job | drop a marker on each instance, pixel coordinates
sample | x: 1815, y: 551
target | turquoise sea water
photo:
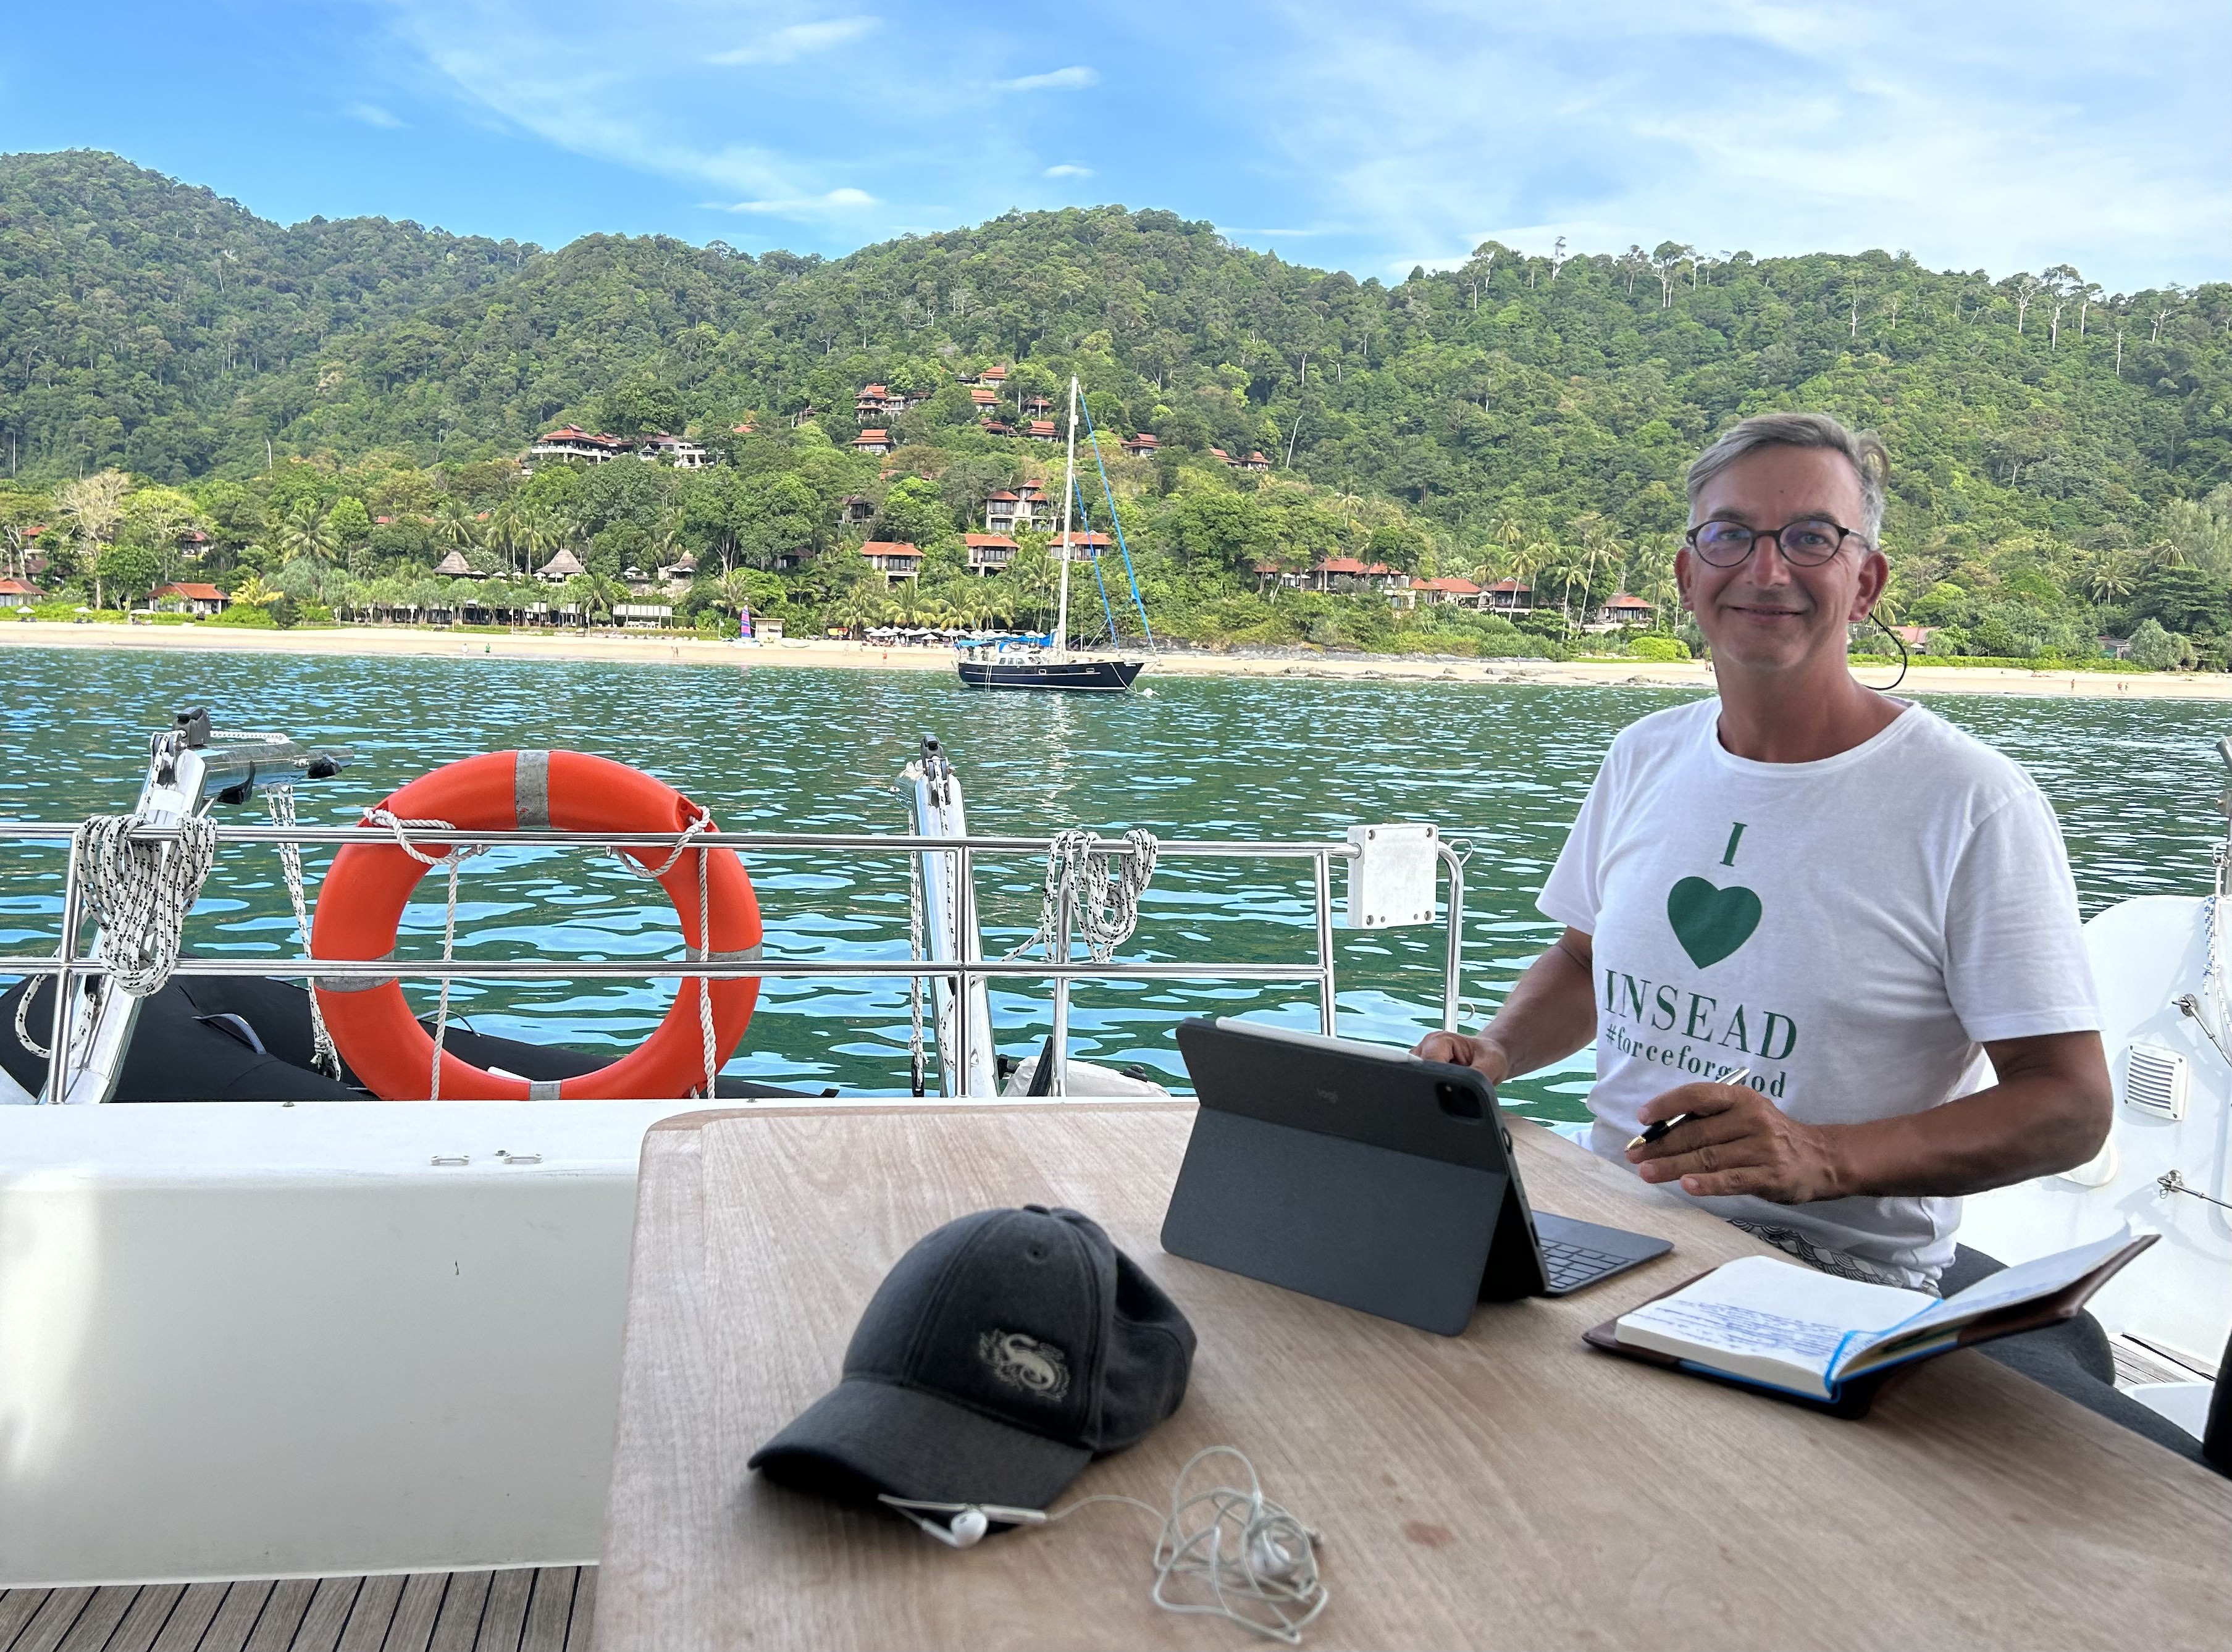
x: 784, y: 749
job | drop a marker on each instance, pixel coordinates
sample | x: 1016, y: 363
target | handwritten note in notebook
x: 1770, y: 1321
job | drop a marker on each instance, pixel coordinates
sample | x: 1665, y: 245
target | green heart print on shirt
x: 1710, y: 923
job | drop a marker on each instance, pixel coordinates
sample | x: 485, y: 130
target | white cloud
x: 1073, y: 79
x: 372, y: 114
x: 1992, y: 134
x: 788, y: 44
x: 1069, y: 172
x: 837, y: 200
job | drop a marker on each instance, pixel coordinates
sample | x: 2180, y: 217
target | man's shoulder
x: 1672, y: 730
x: 1664, y: 740
x: 1937, y: 757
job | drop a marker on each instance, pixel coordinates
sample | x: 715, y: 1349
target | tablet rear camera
x: 1458, y: 1101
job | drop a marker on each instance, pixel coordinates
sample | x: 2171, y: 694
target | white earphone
x: 971, y: 1520
x: 1247, y: 1559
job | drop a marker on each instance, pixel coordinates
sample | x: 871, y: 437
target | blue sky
x: 1978, y: 134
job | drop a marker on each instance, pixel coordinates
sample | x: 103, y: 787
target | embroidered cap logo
x: 1025, y: 1363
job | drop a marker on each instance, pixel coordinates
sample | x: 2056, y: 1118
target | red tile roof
x: 988, y: 541
x: 14, y: 587
x: 1449, y: 583
x: 993, y: 372
x: 192, y: 589
x: 1341, y: 565
x: 1624, y: 600
x: 1041, y: 427
x: 983, y: 398
x: 866, y: 436
x: 1002, y: 494
x: 1082, y: 538
x: 888, y: 548
x: 1219, y: 453
x: 874, y: 390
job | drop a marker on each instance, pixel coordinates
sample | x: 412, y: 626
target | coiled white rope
x: 697, y: 828
x: 1104, y: 887
x: 139, y: 891
x: 279, y: 799
x: 456, y: 855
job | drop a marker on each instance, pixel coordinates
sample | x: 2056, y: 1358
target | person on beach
x: 1862, y: 916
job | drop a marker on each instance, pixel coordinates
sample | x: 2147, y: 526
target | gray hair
x: 1863, y: 450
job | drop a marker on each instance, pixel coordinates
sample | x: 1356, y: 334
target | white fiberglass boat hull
x: 2146, y: 955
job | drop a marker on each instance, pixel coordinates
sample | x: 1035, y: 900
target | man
x: 1816, y: 921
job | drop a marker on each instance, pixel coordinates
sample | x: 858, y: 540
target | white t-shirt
x: 1850, y: 930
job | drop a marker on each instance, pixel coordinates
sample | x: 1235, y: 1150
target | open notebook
x: 1781, y: 1325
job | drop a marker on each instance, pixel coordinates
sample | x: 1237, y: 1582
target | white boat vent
x: 2154, y: 1081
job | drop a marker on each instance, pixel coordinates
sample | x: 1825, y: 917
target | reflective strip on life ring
x: 361, y: 906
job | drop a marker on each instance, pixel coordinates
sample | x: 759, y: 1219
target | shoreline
x: 652, y: 649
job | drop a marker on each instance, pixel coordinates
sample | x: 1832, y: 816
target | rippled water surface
x: 783, y: 748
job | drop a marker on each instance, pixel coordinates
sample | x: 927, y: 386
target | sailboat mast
x: 1068, y: 496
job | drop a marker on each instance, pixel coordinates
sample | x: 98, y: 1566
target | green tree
x: 2156, y: 649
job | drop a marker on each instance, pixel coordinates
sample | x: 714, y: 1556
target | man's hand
x: 1738, y: 1141
x: 1481, y: 1053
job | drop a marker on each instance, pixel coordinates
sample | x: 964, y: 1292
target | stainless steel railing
x: 72, y: 965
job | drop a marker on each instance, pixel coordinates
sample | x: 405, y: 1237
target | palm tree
x: 2110, y: 578
x: 304, y: 532
x: 860, y: 607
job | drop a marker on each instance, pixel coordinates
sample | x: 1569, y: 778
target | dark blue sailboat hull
x: 1071, y: 676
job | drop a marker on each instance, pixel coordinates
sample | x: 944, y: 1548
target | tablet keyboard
x: 1569, y: 1266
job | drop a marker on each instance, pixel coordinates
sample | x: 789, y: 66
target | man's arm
x: 1551, y: 1012
x: 2050, y: 1110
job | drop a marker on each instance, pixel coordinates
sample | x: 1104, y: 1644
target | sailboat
x: 1053, y: 668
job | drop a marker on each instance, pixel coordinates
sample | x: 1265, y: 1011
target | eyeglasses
x: 1808, y: 542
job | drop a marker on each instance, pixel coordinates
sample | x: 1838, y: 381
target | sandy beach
x: 652, y: 649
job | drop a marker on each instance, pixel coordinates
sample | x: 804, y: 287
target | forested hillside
x: 2063, y: 455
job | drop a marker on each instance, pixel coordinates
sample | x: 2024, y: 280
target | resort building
x: 1085, y: 547
x: 1253, y: 462
x: 1624, y: 610
x: 189, y: 597
x: 874, y: 440
x: 1448, y: 591
x: 18, y: 593
x: 564, y: 566
x: 1508, y: 596
x: 1142, y: 443
x: 989, y: 552
x: 996, y: 376
x: 1346, y: 573
x: 1220, y: 456
x: 1036, y: 405
x: 683, y: 455
x: 571, y: 442
x: 894, y: 559
x: 1042, y: 429
x: 855, y: 509
x: 193, y: 544
x: 996, y: 427
x: 454, y: 566
x: 642, y: 615
x: 982, y: 396
x: 1024, y: 508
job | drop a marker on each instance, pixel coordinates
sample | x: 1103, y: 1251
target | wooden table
x: 1508, y: 1487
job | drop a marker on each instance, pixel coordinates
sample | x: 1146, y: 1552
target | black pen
x: 1657, y: 1132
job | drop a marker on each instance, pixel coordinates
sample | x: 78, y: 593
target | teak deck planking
x: 523, y: 1609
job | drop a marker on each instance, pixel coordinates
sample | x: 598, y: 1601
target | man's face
x: 1767, y: 612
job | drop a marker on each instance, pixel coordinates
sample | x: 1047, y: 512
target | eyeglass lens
x: 1809, y: 544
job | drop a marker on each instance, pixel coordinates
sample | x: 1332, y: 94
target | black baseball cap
x: 1004, y: 1352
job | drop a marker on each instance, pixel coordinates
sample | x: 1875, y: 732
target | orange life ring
x: 361, y: 906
